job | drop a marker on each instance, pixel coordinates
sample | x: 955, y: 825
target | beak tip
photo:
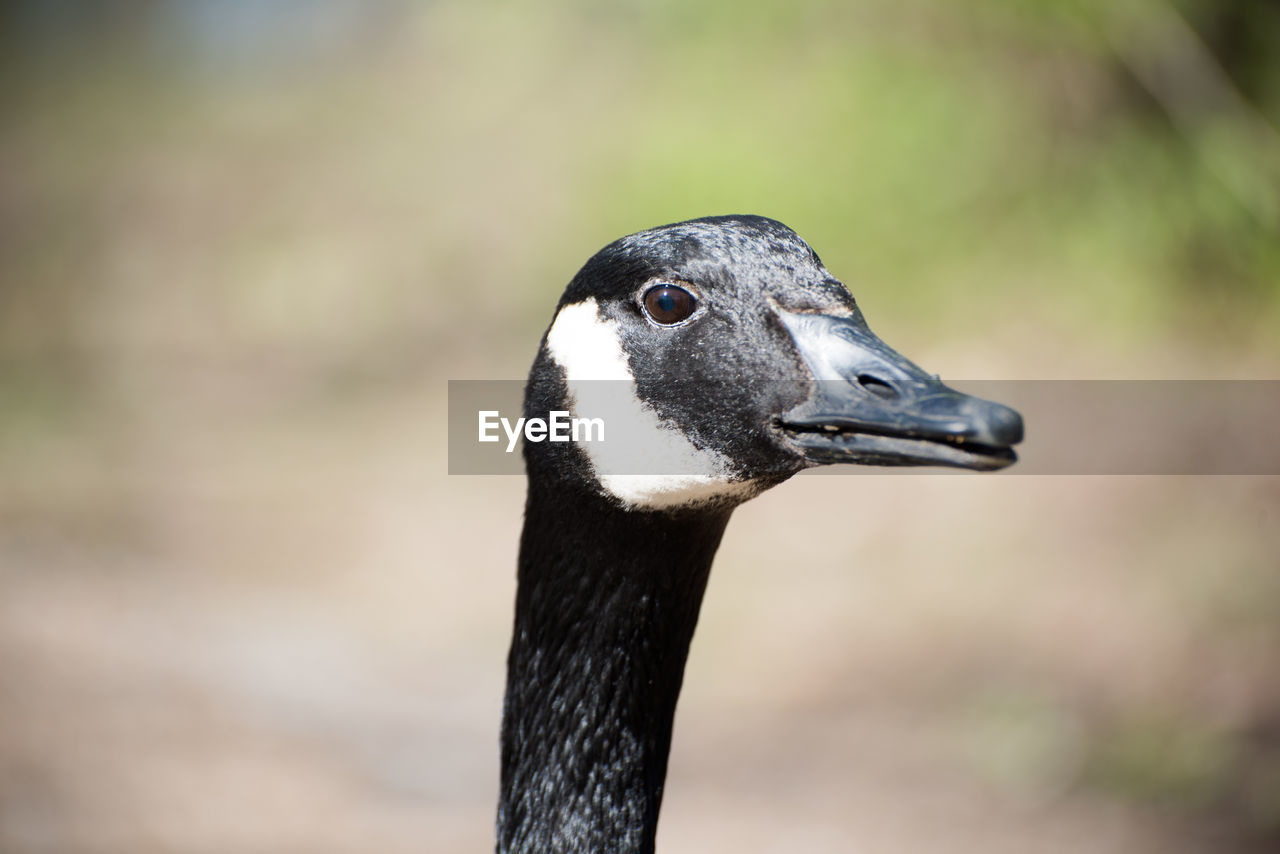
x: 1004, y: 425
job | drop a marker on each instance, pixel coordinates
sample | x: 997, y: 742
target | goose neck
x: 606, y: 606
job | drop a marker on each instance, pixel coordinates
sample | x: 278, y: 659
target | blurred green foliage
x: 1109, y: 170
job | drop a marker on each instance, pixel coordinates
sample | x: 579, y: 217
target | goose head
x: 722, y: 358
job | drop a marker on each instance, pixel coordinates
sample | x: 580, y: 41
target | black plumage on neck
x: 607, y: 602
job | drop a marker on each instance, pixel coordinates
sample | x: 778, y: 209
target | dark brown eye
x: 668, y: 305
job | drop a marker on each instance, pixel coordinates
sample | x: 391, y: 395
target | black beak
x: 870, y: 405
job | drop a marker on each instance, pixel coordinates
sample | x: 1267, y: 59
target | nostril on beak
x: 877, y: 386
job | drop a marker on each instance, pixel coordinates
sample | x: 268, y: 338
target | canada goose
x: 739, y: 354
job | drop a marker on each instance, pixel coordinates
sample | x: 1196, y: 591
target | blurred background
x: 244, y: 245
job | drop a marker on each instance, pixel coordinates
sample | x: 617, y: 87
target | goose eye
x: 668, y: 305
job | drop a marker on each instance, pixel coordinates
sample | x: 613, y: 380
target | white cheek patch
x: 588, y: 348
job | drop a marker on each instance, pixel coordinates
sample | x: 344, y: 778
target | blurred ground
x: 243, y: 246
x: 327, y: 677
